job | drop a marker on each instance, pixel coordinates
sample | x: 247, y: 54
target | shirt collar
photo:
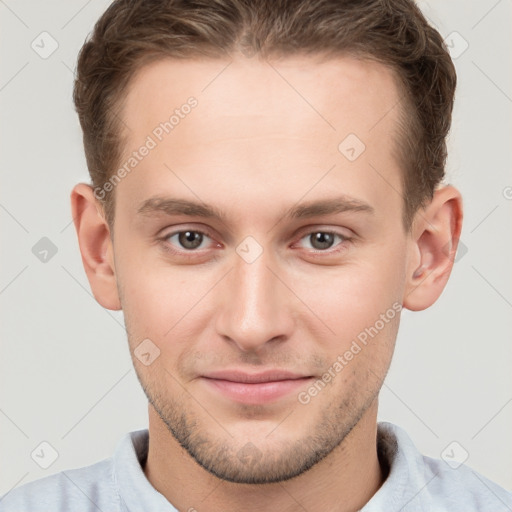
x: 404, y: 488
x: 134, y: 489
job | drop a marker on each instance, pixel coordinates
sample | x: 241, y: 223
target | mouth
x: 255, y: 388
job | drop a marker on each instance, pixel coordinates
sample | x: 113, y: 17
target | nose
x: 254, y: 306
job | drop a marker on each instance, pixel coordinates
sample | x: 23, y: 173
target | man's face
x: 262, y: 290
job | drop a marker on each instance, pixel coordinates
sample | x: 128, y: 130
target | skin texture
x: 263, y: 139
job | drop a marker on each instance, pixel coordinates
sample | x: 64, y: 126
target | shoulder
x: 462, y: 488
x: 421, y: 483
x: 90, y: 488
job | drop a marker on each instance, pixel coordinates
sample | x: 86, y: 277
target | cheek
x: 159, y: 300
x: 349, y: 299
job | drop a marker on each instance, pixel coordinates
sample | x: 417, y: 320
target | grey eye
x: 188, y: 239
x: 321, y: 240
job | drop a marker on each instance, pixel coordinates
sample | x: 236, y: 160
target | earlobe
x: 95, y: 246
x: 435, y: 239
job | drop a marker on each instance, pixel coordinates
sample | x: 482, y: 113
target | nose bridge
x: 254, y: 308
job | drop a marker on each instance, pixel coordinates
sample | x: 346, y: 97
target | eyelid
x: 178, y: 228
x: 319, y: 228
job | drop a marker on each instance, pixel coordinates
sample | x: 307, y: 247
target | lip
x: 254, y: 388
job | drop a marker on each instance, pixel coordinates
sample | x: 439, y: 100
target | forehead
x: 328, y: 93
x: 279, y: 124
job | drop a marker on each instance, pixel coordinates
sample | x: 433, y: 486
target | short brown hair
x: 132, y: 33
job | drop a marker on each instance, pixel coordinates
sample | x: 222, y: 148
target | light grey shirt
x: 415, y: 483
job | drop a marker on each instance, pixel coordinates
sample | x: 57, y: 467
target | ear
x: 435, y: 237
x: 95, y: 245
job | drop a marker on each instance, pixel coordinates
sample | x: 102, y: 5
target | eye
x: 188, y: 239
x: 322, y: 240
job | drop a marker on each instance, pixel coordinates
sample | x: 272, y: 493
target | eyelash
x: 168, y: 247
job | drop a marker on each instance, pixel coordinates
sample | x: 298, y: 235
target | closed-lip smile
x: 254, y: 388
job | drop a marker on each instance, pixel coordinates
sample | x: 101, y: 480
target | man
x: 266, y: 198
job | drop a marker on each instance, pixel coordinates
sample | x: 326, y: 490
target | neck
x: 344, y: 481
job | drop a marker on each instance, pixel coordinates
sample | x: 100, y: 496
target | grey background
x: 66, y: 375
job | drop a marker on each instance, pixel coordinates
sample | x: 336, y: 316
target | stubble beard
x: 257, y: 463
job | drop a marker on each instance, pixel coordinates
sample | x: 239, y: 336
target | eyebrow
x: 173, y: 206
